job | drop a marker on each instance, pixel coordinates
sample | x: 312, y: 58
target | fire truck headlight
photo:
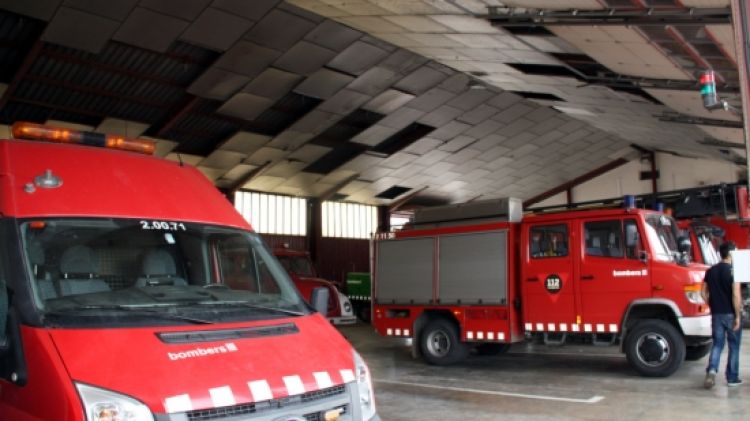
x: 364, y: 384
x: 345, y: 304
x: 693, y: 294
x: 105, y: 405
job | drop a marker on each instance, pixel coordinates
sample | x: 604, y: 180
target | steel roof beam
x: 513, y: 17
x: 688, y: 119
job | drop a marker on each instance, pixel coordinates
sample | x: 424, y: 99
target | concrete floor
x: 534, y: 382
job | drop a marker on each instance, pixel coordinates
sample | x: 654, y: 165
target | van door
x: 548, y: 282
x: 611, y: 274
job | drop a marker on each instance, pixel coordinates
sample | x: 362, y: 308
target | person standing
x: 723, y: 297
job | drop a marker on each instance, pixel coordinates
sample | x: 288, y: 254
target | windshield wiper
x: 132, y: 309
x: 251, y: 306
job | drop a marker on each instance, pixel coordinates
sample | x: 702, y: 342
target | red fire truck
x: 483, y: 275
x: 712, y: 215
x: 300, y: 268
x: 115, y: 302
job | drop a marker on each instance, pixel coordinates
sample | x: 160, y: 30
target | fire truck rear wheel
x: 440, y: 343
x: 655, y: 348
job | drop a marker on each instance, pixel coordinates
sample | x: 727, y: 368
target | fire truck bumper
x: 344, y: 320
x: 696, y: 326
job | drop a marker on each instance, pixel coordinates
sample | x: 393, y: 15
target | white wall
x: 674, y: 173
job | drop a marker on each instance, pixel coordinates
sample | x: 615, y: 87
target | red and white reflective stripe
x: 260, y: 390
x: 222, y: 396
x: 573, y: 327
x: 398, y: 332
x: 485, y: 336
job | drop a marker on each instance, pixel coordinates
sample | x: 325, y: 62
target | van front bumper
x: 696, y: 326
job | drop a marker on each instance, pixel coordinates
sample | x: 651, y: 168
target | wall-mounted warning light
x: 708, y: 90
x: 711, y: 100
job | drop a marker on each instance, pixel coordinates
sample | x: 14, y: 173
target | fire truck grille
x: 288, y: 403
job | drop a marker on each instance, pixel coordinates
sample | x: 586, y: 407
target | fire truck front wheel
x: 440, y: 343
x: 655, y: 348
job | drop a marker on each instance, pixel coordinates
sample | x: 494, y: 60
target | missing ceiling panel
x: 403, y: 138
x: 539, y: 95
x: 544, y: 70
x: 392, y: 192
x: 333, y: 159
x: 529, y: 30
x: 283, y: 114
x: 347, y: 128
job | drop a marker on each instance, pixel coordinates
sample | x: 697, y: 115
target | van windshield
x: 661, y: 232
x: 98, y: 271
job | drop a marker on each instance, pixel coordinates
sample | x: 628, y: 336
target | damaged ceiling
x: 380, y: 101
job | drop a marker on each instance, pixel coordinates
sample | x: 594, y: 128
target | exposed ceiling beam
x: 23, y: 69
x: 183, y: 109
x: 509, y: 17
x: 576, y: 181
x: 255, y: 172
x: 340, y: 185
x: 688, y: 119
x: 95, y: 91
x: 721, y: 143
x: 111, y: 68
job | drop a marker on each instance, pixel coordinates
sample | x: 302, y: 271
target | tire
x: 440, y: 343
x: 654, y: 348
x: 364, y: 311
x: 696, y: 352
x: 490, y: 349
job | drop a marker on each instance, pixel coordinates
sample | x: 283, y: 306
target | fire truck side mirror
x: 683, y: 244
x: 319, y: 300
x: 3, y: 318
x: 631, y: 235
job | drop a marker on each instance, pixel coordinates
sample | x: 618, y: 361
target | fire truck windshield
x: 91, y: 272
x: 708, y: 250
x: 661, y: 232
x: 298, y: 265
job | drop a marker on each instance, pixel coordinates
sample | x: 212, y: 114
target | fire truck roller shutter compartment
x: 473, y: 268
x: 405, y: 271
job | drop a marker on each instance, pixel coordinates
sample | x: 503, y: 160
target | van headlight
x: 364, y: 384
x: 105, y: 405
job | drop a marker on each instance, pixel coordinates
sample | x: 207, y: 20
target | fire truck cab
x: 300, y: 268
x: 465, y: 277
x: 115, y: 300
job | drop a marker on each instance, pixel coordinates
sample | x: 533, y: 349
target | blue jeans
x: 721, y: 326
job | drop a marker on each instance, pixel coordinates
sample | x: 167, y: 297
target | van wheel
x: 696, y: 352
x: 490, y: 349
x: 654, y: 348
x: 440, y: 343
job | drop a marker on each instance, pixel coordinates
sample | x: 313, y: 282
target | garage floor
x: 534, y: 382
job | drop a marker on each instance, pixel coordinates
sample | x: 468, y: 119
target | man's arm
x: 704, y: 291
x: 737, y: 301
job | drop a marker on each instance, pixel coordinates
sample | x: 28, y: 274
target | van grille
x: 275, y: 404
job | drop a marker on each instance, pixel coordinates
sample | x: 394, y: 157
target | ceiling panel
x: 76, y: 29
x: 216, y: 29
x: 149, y: 30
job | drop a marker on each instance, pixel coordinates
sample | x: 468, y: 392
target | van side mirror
x: 319, y: 300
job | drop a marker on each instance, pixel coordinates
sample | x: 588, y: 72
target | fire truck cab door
x: 548, y: 281
x: 610, y: 272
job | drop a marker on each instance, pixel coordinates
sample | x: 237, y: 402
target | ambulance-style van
x: 114, y: 305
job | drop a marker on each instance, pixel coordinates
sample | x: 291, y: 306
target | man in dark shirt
x: 724, y: 299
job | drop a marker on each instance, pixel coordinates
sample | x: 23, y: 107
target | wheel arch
x: 423, y: 319
x: 651, y: 308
